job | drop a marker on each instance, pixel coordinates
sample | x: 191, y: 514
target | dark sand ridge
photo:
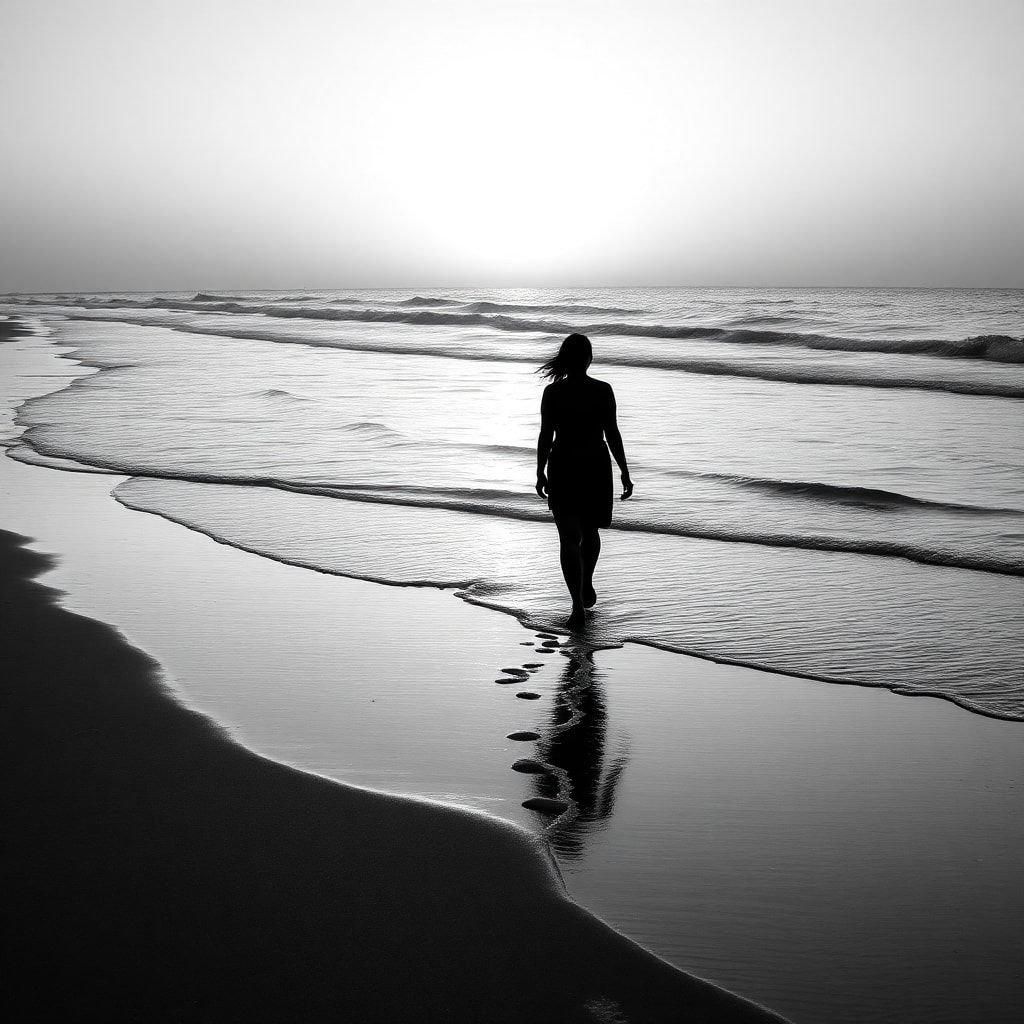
x: 157, y: 870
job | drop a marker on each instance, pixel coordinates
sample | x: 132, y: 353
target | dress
x: 579, y: 467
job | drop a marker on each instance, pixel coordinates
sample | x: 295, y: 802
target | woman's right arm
x: 611, y: 431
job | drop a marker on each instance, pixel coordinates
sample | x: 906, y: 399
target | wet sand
x: 157, y: 870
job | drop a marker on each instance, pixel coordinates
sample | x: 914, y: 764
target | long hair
x: 575, y: 354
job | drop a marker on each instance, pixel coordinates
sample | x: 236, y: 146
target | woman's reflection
x: 575, y: 742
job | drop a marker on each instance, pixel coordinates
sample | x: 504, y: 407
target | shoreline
x: 133, y: 812
x: 463, y: 590
x: 756, y: 896
x: 523, y: 618
x: 163, y: 871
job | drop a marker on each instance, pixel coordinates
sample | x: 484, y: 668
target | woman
x: 577, y: 414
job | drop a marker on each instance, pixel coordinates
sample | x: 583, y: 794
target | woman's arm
x: 611, y: 431
x: 544, y: 439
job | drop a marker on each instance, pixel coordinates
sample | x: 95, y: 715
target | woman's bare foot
x: 577, y: 617
x: 589, y: 596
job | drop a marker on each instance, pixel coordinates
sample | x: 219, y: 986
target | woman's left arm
x: 611, y: 431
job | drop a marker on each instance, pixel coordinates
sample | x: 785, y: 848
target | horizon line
x: 507, y: 287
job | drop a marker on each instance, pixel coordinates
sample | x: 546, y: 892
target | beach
x: 157, y: 869
x: 836, y: 852
x: 512, y: 513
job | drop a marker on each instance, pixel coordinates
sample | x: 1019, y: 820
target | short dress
x: 579, y: 469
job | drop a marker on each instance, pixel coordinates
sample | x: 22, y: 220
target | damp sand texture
x: 156, y: 870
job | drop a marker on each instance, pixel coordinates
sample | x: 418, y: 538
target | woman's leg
x: 590, y: 551
x: 570, y: 537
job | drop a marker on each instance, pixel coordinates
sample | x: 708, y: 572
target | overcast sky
x: 152, y: 145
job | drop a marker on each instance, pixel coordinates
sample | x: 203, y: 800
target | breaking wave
x: 998, y: 348
x: 872, y: 498
x: 421, y: 300
x: 788, y: 374
x: 508, y: 307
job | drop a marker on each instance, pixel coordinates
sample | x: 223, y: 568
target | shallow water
x: 851, y: 533
x: 840, y: 853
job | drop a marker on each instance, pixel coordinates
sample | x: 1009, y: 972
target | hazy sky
x: 332, y: 143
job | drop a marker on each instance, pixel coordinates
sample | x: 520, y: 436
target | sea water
x: 829, y: 482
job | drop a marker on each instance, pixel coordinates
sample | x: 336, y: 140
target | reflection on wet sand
x: 575, y: 743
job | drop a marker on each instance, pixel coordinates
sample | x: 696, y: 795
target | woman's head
x: 575, y: 354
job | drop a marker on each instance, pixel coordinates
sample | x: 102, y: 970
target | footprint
x: 545, y: 636
x: 522, y: 673
x: 509, y: 679
x: 545, y: 805
x: 551, y: 643
x: 525, y: 735
x: 528, y: 766
x: 533, y: 664
x: 527, y: 695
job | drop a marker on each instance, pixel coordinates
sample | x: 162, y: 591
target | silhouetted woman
x: 577, y: 414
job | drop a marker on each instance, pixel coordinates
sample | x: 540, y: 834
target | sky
x: 393, y: 143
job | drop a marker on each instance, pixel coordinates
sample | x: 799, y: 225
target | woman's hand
x: 542, y: 484
x: 627, y: 487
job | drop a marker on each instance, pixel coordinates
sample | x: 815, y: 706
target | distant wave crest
x: 278, y: 394
x: 508, y: 307
x: 781, y: 372
x: 999, y: 348
x: 421, y: 300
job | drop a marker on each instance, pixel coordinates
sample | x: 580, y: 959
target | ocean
x: 829, y: 482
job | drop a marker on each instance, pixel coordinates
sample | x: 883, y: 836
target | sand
x: 157, y: 870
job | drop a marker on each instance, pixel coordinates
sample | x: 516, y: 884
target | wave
x: 513, y: 505
x: 999, y: 348
x: 872, y: 498
x: 507, y: 307
x: 760, y: 321
x: 372, y: 431
x: 821, y: 374
x: 485, y: 306
x: 278, y: 394
x: 420, y: 300
x: 208, y: 297
x: 488, y: 594
x: 508, y: 504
